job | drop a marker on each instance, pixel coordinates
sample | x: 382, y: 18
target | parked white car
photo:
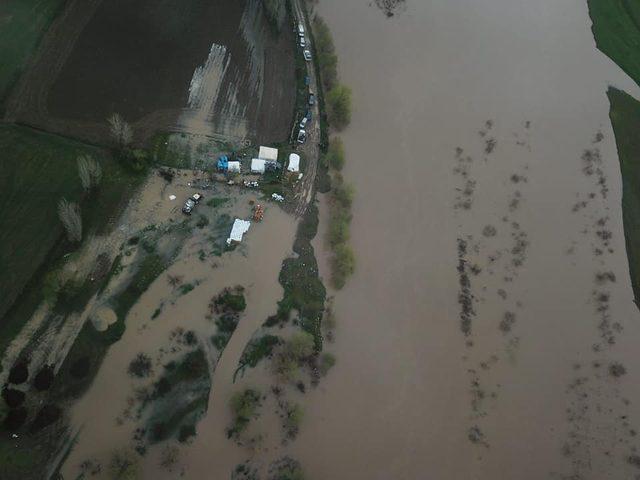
x: 303, y: 42
x: 307, y: 55
x: 302, y: 136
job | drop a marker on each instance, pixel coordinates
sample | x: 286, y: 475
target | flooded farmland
x: 489, y: 330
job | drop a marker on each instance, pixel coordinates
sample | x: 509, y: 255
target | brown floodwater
x: 492, y: 294
x: 519, y: 87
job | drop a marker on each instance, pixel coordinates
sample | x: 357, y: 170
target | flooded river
x: 492, y: 298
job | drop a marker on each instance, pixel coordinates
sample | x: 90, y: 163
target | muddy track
x: 311, y: 149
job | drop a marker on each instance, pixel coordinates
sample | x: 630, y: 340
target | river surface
x: 469, y: 115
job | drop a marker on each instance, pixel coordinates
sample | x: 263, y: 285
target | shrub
x: 15, y: 419
x: 186, y: 432
x: 335, y: 154
x: 292, y: 420
x: 44, y: 378
x: 80, y: 368
x: 286, y: 468
x: 342, y: 265
x: 12, y: 397
x: 244, y: 406
x: 19, y: 372
x: 140, y: 366
x: 325, y: 52
x: 339, y: 106
x: 617, y: 370
x: 69, y: 213
x: 327, y: 361
x: 124, y: 465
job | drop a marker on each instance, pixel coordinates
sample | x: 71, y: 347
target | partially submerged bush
x: 335, y: 157
x: 19, y: 373
x: 12, y: 397
x: 140, y: 366
x: 44, y: 378
x: 342, y: 265
x: 617, y: 370
x: 339, y: 106
x: 327, y: 361
x: 292, y: 354
x: 124, y: 465
x: 286, y: 468
x: 244, y: 406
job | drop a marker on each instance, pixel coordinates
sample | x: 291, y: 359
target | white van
x: 301, y: 29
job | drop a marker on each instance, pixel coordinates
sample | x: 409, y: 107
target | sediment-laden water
x: 492, y: 298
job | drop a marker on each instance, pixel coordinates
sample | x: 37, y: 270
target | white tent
x: 258, y: 165
x: 239, y: 228
x: 294, y: 163
x: 233, y: 166
x: 268, y: 153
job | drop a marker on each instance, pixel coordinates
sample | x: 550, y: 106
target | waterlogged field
x: 38, y: 170
x: 22, y: 24
x: 148, y: 60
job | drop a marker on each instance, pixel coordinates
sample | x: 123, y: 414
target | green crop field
x: 36, y: 171
x: 616, y: 28
x: 625, y: 118
x: 22, y: 24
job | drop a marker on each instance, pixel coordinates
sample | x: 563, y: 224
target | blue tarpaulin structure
x: 223, y: 163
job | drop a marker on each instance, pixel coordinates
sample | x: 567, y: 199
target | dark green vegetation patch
x: 625, y: 118
x: 616, y: 28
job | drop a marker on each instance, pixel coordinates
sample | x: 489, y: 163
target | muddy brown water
x: 407, y: 391
x: 467, y: 115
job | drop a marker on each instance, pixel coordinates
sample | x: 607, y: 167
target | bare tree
x: 69, y: 213
x: 120, y: 130
x: 89, y: 171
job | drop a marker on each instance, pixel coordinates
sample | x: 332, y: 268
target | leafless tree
x: 69, y: 213
x: 120, y: 130
x: 89, y: 171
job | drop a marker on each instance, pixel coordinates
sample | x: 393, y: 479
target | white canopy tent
x: 294, y: 163
x: 268, y: 153
x: 233, y: 166
x: 258, y: 165
x: 240, y: 227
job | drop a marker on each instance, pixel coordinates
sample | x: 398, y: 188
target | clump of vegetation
x: 124, y: 465
x: 141, y: 366
x: 244, y: 407
x: 186, y: 432
x: 286, y: 468
x: 217, y: 201
x: 617, y: 370
x: 169, y: 457
x: 325, y: 52
x: 292, y: 354
x: 245, y: 471
x: 19, y: 373
x: 507, y: 322
x: 44, y: 378
x: 343, y: 259
x: 15, y: 419
x: 256, y: 350
x: 230, y: 300
x: 293, y: 415
x: 335, y: 157
x: 12, y: 397
x: 71, y: 218
x: 327, y: 361
x: 226, y: 324
x: 339, y: 106
x: 90, y: 172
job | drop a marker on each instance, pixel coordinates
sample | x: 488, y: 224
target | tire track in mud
x: 597, y: 411
x: 490, y: 254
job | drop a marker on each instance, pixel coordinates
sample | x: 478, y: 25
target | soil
x: 137, y: 58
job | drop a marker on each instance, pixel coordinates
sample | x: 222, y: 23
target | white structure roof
x: 294, y: 163
x: 258, y: 165
x: 239, y: 228
x: 268, y: 153
x: 233, y: 166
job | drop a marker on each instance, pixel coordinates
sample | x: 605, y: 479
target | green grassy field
x: 36, y: 170
x: 616, y: 28
x: 625, y: 118
x: 22, y: 24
